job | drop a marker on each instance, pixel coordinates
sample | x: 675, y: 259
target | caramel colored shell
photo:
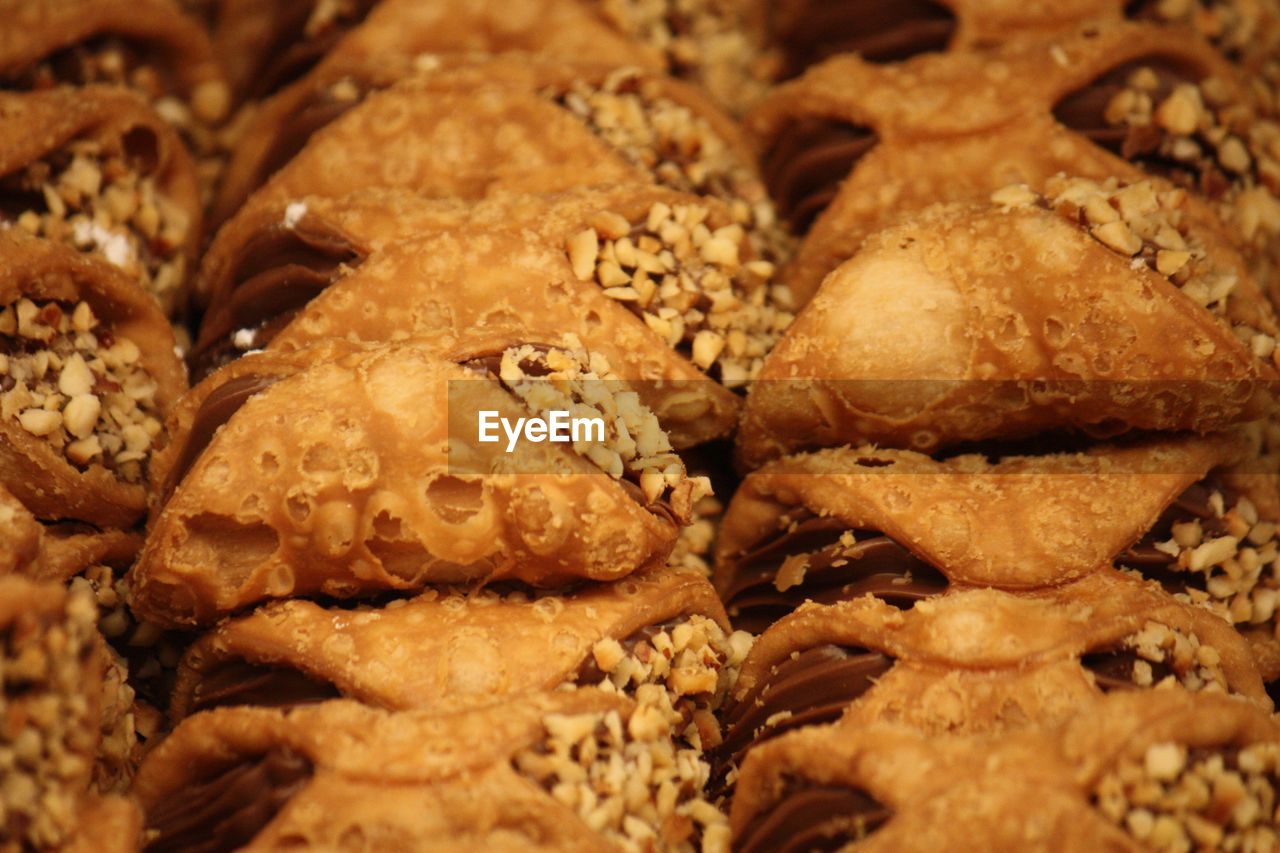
x: 957, y: 127
x: 1026, y: 790
x: 1020, y: 523
x: 444, y: 780
x: 984, y: 660
x: 42, y: 479
x: 342, y: 478
x: 440, y: 646
x: 970, y: 323
x: 34, y: 29
x: 462, y: 131
x: 36, y: 125
x: 470, y: 277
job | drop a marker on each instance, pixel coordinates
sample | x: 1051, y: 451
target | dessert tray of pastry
x: 639, y: 425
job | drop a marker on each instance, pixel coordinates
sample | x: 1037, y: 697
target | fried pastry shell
x: 1004, y: 323
x: 333, y: 476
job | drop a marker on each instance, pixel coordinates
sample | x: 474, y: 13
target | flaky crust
x: 36, y: 28
x: 413, y: 136
x: 1012, y: 791
x: 956, y: 127
x: 46, y: 483
x: 36, y: 125
x: 399, y: 779
x: 337, y: 480
x: 982, y: 660
x: 993, y: 323
x: 466, y: 277
x: 481, y: 646
x: 1020, y: 523
x: 20, y: 536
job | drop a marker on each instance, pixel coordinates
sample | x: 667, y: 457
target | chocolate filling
x: 228, y: 810
x: 809, y: 688
x: 292, y: 51
x: 491, y: 365
x: 1160, y: 566
x: 874, y: 564
x: 238, y: 682
x: 223, y: 402
x: 279, y: 272
x: 1113, y: 669
x: 809, y: 816
x: 1084, y: 111
x: 808, y: 161
x: 877, y: 30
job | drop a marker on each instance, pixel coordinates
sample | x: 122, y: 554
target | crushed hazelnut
x: 679, y: 148
x: 99, y: 203
x: 49, y: 737
x: 83, y: 391
x: 691, y: 285
x: 1175, y: 798
x: 635, y: 446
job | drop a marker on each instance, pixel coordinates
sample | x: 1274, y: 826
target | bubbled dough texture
x: 984, y: 660
x: 336, y: 480
x: 1021, y: 523
x: 957, y: 127
x: 34, y: 125
x: 370, y: 764
x: 967, y: 296
x: 481, y: 281
x: 46, y: 483
x: 469, y: 129
x: 435, y: 649
x: 1013, y: 791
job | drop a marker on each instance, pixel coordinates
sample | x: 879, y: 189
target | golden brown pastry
x: 664, y: 628
x: 530, y: 126
x: 979, y: 660
x: 344, y: 470
x: 148, y: 46
x: 1130, y: 772
x: 51, y: 699
x: 89, y: 375
x: 843, y: 522
x: 853, y: 147
x: 257, y: 779
x: 20, y: 536
x: 634, y: 273
x: 1098, y: 308
x: 98, y: 170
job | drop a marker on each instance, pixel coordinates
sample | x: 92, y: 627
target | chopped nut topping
x: 49, y: 731
x: 1173, y: 798
x: 628, y: 780
x: 685, y: 669
x: 1141, y: 221
x: 679, y: 148
x: 68, y: 381
x: 1205, y: 140
x: 112, y: 61
x: 1167, y: 657
x: 694, y: 545
x: 1230, y: 562
x: 695, y: 287
x: 703, y: 40
x: 635, y: 446
x: 100, y: 204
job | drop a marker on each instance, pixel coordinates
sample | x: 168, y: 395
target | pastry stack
x: 933, y: 347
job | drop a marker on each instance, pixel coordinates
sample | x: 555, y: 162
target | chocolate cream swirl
x: 808, y: 161
x: 227, y: 810
x: 839, y: 565
x: 813, y: 817
x: 879, y: 31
